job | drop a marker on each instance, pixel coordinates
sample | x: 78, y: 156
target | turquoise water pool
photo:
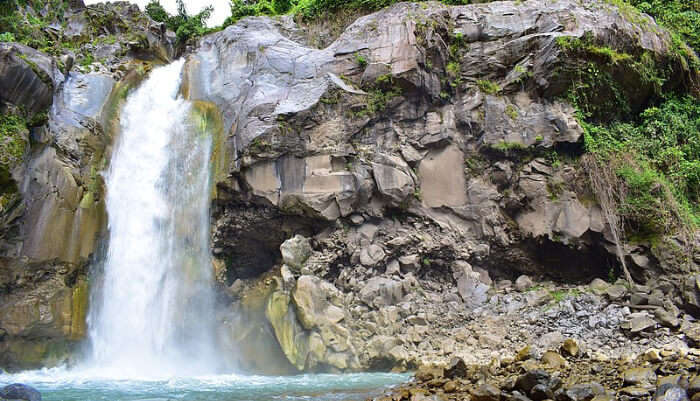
x: 61, y: 385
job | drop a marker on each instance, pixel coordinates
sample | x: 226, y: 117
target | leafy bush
x: 680, y: 16
x: 658, y: 160
x: 7, y: 37
x: 185, y: 26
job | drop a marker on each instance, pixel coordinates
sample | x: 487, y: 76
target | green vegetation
x: 647, y: 155
x: 657, y: 160
x: 489, y: 87
x: 512, y: 112
x: 184, y: 25
x: 361, y: 60
x: 13, y: 140
x: 308, y: 8
x: 682, y: 17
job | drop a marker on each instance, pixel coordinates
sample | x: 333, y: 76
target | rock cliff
x: 426, y: 152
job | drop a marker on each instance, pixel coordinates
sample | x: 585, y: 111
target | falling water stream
x: 151, y: 320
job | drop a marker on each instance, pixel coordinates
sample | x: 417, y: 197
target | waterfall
x: 153, y: 306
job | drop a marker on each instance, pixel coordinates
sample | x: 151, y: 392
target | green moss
x: 505, y: 146
x: 13, y: 139
x: 489, y: 87
x: 512, y: 112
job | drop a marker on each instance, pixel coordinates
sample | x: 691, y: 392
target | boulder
x: 19, y: 391
x: 644, y: 377
x: 295, y: 251
x: 456, y: 368
x: 523, y: 283
x: 313, y: 299
x: 382, y: 291
x: 372, y: 255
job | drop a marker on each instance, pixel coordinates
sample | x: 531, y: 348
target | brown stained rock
x: 553, y: 360
x: 570, y: 347
x: 644, y: 377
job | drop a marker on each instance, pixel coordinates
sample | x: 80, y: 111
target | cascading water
x: 154, y: 311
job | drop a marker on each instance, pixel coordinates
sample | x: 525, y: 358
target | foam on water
x: 60, y: 384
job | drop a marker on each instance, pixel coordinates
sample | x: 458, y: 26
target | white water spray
x: 152, y: 313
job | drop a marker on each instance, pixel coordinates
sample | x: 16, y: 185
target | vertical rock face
x: 426, y: 165
x: 51, y: 231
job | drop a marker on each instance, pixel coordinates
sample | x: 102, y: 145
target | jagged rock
x: 393, y: 179
x: 537, y: 377
x: 295, y: 251
x: 27, y: 77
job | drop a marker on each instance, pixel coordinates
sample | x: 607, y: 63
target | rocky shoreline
x: 563, y: 374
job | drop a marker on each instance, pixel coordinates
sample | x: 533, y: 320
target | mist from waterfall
x: 153, y: 306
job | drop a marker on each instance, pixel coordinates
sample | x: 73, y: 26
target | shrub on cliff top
x: 184, y: 25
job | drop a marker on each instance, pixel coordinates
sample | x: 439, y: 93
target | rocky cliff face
x: 423, y: 154
x: 373, y: 198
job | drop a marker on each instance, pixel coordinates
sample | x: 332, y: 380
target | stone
x: 523, y: 283
x: 392, y: 181
x: 532, y: 378
x: 450, y: 386
x: 410, y: 263
x: 295, y: 251
x: 429, y: 372
x: 570, y: 347
x: 486, y: 392
x: 381, y: 291
x: 442, y: 184
x: 666, y: 318
x: 553, y: 360
x: 694, y: 385
x: 581, y: 392
x: 371, y: 255
x: 599, y: 286
x: 670, y: 392
x: 641, y: 323
x: 634, y: 391
x: 312, y: 297
x: 456, y: 369
x: 393, y: 268
x: 616, y: 292
x: 541, y: 392
x: 19, y: 391
x: 525, y: 353
x: 644, y: 377
x: 652, y: 355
